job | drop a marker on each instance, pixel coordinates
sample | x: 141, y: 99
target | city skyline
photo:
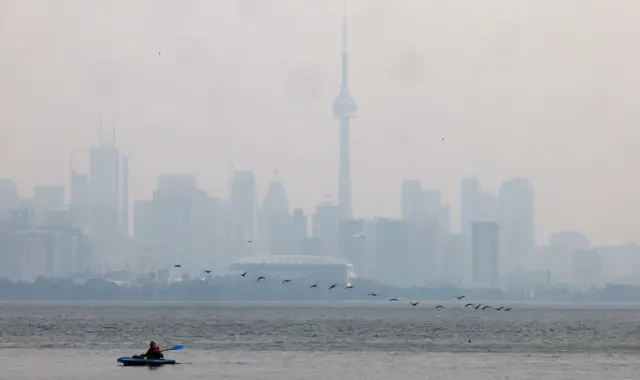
x: 506, y: 125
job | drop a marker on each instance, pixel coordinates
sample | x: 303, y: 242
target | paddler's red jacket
x: 154, y: 353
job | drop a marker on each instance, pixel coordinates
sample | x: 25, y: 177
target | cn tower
x: 344, y: 108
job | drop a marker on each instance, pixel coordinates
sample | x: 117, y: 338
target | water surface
x: 320, y: 341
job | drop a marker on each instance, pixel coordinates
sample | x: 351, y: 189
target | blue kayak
x: 133, y: 361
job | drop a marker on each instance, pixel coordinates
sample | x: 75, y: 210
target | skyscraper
x: 125, y: 197
x: 325, y: 224
x: 277, y: 224
x: 104, y: 226
x: 9, y: 199
x: 80, y: 201
x: 344, y: 108
x: 516, y: 219
x: 485, y: 253
x: 243, y: 206
x: 45, y: 199
x: 412, y: 198
x: 469, y: 205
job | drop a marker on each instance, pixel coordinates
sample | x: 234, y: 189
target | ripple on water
x: 277, y: 327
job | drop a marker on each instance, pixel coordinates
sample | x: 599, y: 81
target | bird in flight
x: 477, y: 307
x: 414, y: 304
x: 486, y: 307
x: 313, y: 286
x: 333, y: 286
x: 261, y: 278
x: 285, y: 281
x: 177, y: 266
x: 500, y: 308
x: 373, y: 294
x: 507, y: 309
x: 243, y: 274
x: 393, y: 299
x: 469, y: 304
x: 349, y: 287
x: 439, y: 307
x: 459, y: 297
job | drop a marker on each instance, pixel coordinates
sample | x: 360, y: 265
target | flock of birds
x: 349, y: 286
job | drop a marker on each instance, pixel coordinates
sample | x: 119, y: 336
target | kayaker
x: 153, y: 352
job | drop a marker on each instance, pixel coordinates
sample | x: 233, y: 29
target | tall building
x: 325, y: 227
x: 429, y: 227
x: 485, y: 253
x: 45, y: 199
x: 469, y: 205
x: 412, y: 198
x: 559, y: 260
x: 456, y: 268
x: 243, y: 206
x: 277, y: 223
x: 143, y: 223
x: 80, y: 201
x: 392, y: 252
x: 300, y: 227
x: 104, y: 226
x: 125, y: 198
x: 587, y: 269
x: 517, y: 225
x: 344, y: 108
x: 9, y: 199
x: 182, y: 223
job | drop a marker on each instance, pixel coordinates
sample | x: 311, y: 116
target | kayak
x: 133, y: 361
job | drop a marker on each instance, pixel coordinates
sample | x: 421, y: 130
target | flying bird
x: 285, y: 281
x: 459, y: 297
x: 373, y: 294
x: 439, y: 307
x: 207, y: 271
x: 243, y: 274
x: 333, y: 286
x: 393, y: 299
x: 500, y: 308
x: 349, y: 287
x: 477, y: 307
x: 261, y: 278
x: 486, y: 307
x: 469, y: 304
x: 313, y: 286
x: 414, y: 304
x: 507, y: 309
x: 177, y: 266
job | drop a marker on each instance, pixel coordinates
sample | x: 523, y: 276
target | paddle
x: 174, y: 348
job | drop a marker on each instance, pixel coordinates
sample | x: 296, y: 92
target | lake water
x: 320, y: 341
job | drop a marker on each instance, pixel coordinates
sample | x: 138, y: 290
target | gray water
x: 319, y: 341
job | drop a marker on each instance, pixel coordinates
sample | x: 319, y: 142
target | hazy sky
x: 545, y: 89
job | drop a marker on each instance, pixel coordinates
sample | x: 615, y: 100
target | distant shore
x: 225, y: 289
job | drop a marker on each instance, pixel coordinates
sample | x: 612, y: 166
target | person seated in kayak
x: 153, y: 352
